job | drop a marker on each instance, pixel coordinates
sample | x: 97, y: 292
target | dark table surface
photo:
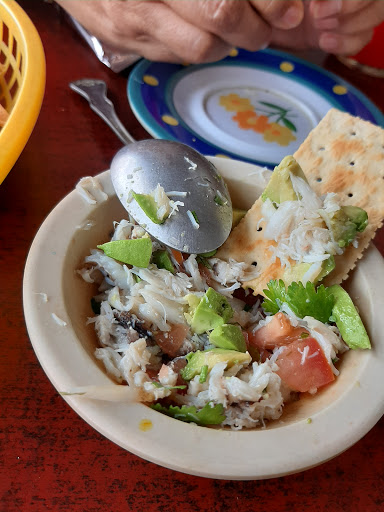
x: 50, y: 458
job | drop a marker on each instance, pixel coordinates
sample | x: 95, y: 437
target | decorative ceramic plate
x: 311, y: 431
x: 248, y: 106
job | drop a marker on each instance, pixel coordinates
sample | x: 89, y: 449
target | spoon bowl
x: 200, y: 218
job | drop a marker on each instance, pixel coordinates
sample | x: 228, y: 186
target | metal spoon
x: 203, y: 218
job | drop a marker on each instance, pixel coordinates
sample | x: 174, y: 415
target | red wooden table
x: 50, y: 458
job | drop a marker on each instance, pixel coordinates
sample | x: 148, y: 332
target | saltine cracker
x: 342, y: 154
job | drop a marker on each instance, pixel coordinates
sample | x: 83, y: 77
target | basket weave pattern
x: 22, y: 81
x: 11, y: 66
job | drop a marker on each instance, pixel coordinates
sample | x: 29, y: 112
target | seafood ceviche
x: 188, y: 335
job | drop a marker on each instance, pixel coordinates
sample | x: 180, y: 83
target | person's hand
x: 197, y: 31
x: 192, y: 31
x: 341, y: 27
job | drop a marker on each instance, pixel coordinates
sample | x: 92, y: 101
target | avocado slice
x: 346, y: 223
x: 237, y: 215
x: 211, y: 311
x: 149, y: 206
x: 163, y: 260
x: 136, y: 252
x: 280, y: 187
x: 326, y: 268
x: 348, y: 319
x: 208, y: 358
x: 228, y: 336
x: 295, y: 273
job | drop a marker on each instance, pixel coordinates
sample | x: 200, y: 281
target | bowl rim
x: 253, y: 454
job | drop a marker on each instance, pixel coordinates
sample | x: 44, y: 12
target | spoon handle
x: 95, y: 92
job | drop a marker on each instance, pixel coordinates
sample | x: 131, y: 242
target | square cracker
x: 342, y: 154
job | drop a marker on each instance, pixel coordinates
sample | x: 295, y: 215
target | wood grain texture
x: 50, y: 459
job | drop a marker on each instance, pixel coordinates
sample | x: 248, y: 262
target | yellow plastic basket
x: 22, y: 81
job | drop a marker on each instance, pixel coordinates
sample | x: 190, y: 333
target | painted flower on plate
x: 234, y: 103
x: 280, y: 134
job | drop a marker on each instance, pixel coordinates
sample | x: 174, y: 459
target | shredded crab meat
x: 166, y: 207
x: 301, y: 229
x: 250, y: 392
x: 193, y: 165
x: 162, y: 201
x: 304, y: 354
x: 91, y: 190
x: 230, y: 274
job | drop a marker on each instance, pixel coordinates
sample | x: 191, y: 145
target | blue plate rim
x: 243, y: 58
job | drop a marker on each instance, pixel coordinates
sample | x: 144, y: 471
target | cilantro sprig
x: 208, y: 415
x: 302, y: 300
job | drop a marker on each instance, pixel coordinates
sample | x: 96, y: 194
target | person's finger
x: 321, y: 9
x: 326, y: 8
x: 148, y: 28
x: 322, y: 24
x: 233, y: 21
x: 141, y: 24
x: 156, y: 51
x: 354, y: 6
x: 344, y: 44
x: 368, y: 17
x: 202, y: 49
x: 189, y: 42
x: 284, y: 14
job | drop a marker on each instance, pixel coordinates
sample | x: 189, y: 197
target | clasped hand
x: 199, y: 31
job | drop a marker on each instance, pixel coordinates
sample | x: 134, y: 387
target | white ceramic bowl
x: 340, y: 415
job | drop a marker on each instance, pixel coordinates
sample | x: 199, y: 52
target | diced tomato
x: 276, y: 333
x: 304, y: 369
x: 178, y: 256
x: 171, y: 341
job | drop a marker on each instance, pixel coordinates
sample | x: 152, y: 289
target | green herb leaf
x: 220, y: 200
x: 302, y: 300
x: 204, y: 262
x: 276, y: 294
x: 208, y: 415
x: 203, y: 258
x: 272, y: 105
x: 195, y: 216
x: 289, y: 124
